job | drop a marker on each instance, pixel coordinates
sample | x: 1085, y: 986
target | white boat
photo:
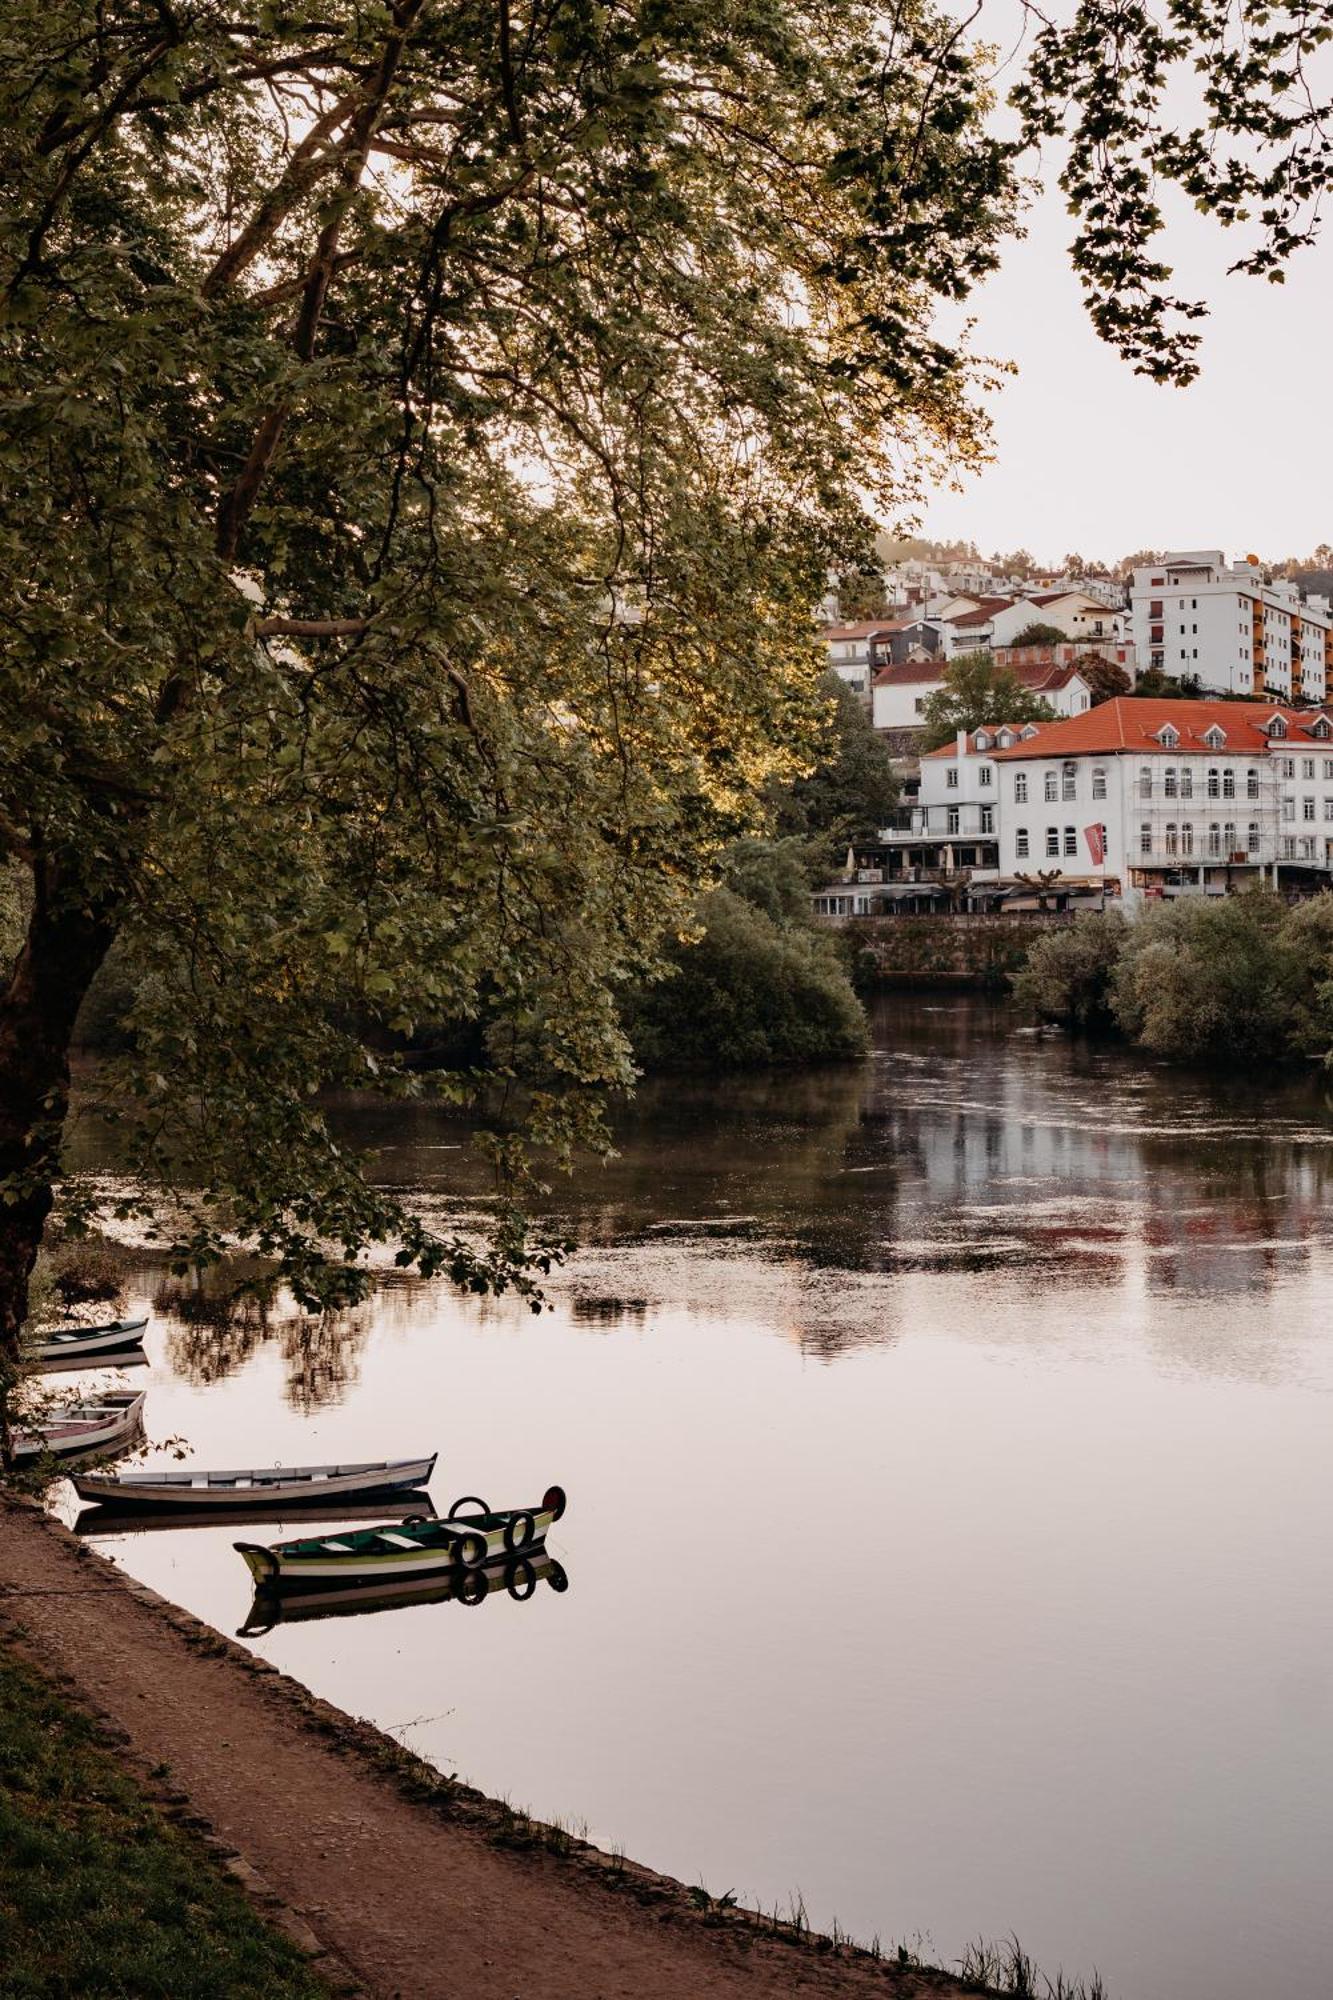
x: 469, y: 1536
x: 96, y: 1424
x: 68, y: 1342
x: 266, y: 1485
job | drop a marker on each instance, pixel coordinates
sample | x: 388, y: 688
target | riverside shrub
x: 1242, y: 975
x: 1067, y: 975
x: 749, y: 993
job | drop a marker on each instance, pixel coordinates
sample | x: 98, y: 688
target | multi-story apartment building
x: 1151, y: 797
x: 1238, y: 629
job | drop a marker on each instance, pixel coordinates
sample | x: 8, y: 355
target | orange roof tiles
x: 1131, y: 723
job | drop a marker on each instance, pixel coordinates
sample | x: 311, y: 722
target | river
x: 947, y: 1446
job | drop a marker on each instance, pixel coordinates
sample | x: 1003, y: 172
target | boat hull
x: 519, y: 1578
x: 71, y: 1343
x: 272, y: 1486
x: 420, y: 1553
x: 79, y: 1429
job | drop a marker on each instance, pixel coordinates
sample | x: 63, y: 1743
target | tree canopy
x: 428, y: 429
x: 976, y: 690
x: 1040, y: 634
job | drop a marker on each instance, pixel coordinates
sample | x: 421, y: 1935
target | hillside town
x: 1180, y: 742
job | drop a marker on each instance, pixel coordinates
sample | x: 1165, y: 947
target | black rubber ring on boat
x: 470, y: 1549
x: 518, y: 1532
x: 553, y: 1501
x: 473, y: 1587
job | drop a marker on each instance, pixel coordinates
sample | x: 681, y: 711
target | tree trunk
x: 65, y: 945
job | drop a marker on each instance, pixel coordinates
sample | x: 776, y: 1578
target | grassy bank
x: 99, y: 1893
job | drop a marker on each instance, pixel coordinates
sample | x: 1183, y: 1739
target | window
x: 1049, y: 786
x: 1328, y: 808
x: 1145, y: 838
x: 1214, y: 783
x: 983, y: 740
x: 1288, y: 766
x: 1307, y: 767
x: 1069, y: 781
x: 1214, y: 838
x: 1186, y: 782
x: 1214, y: 737
x: 1172, y: 842
x: 1288, y: 847
x: 1288, y: 808
x: 984, y: 774
x: 1187, y: 837
x: 953, y: 817
x: 1071, y: 840
x: 1099, y: 784
x: 1307, y: 850
x: 1169, y: 782
x: 1277, y: 727
x: 1021, y: 843
x: 1229, y: 838
x: 1307, y: 808
x: 1228, y: 784
x: 1252, y: 836
x: 1145, y: 782
x: 951, y: 778
x: 988, y: 819
x: 1251, y: 784
x: 1020, y: 788
x: 1052, y: 840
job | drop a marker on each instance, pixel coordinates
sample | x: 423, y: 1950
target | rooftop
x: 1135, y: 723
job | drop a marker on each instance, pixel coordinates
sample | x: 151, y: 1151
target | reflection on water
x: 948, y: 1443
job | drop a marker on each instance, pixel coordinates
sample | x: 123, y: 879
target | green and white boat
x: 468, y: 1537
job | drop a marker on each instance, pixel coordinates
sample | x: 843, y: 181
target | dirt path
x: 416, y: 1899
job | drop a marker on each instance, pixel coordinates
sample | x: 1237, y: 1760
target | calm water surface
x: 947, y: 1442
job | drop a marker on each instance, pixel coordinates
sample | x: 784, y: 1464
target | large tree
x: 428, y: 428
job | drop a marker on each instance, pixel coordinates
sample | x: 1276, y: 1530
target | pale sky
x: 1092, y: 458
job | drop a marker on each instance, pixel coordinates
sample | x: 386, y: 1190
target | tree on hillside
x: 852, y: 788
x: 1105, y: 678
x: 428, y: 430
x: 861, y: 595
x: 977, y: 691
x: 1039, y: 634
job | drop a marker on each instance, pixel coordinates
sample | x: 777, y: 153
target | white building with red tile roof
x: 1160, y: 797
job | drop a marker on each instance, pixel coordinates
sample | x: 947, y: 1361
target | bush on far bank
x: 1244, y: 975
x: 749, y: 993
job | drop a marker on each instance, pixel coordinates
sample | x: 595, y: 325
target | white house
x: 1175, y: 795
x: 898, y: 694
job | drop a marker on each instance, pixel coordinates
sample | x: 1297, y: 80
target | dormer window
x: 1030, y: 732
x: 1321, y: 728
x: 1278, y: 726
x: 983, y: 740
x: 1168, y: 736
x: 1214, y: 737
x: 1005, y: 738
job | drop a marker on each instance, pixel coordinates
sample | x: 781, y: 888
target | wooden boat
x: 96, y: 1424
x: 469, y: 1536
x: 273, y: 1485
x: 109, y: 1520
x: 518, y: 1578
x: 68, y: 1343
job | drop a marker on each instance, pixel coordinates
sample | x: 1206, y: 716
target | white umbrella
x: 948, y: 858
x: 850, y: 869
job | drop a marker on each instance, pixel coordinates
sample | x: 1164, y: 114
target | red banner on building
x: 1096, y: 839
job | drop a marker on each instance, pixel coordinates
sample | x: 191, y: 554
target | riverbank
x: 382, y: 1868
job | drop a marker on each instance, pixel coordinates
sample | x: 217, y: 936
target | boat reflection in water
x: 105, y: 1520
x: 518, y: 1578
